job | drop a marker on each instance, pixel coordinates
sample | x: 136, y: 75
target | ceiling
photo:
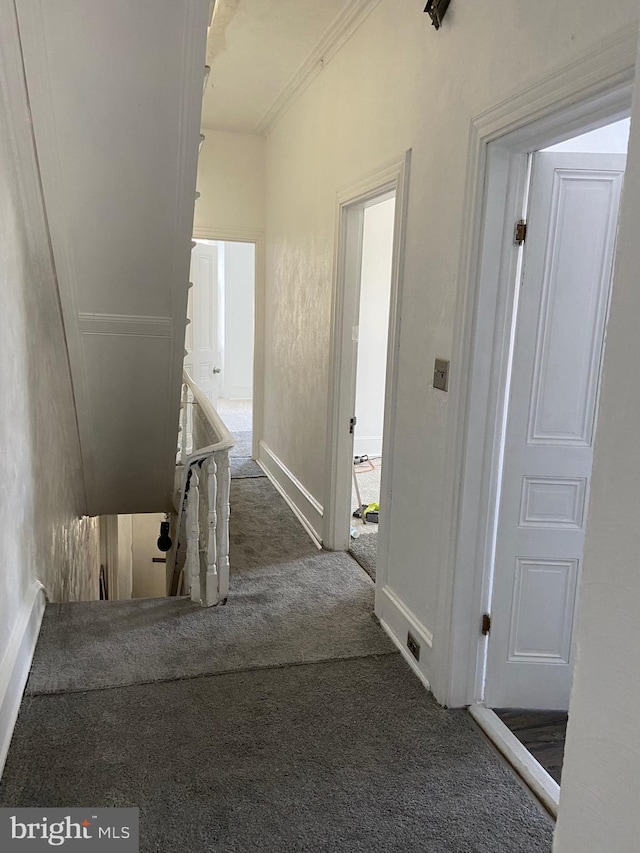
x: 255, y: 49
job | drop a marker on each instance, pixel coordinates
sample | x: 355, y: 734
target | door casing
x: 389, y: 180
x: 588, y: 94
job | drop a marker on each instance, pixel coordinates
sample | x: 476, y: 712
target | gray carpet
x: 242, y: 468
x: 284, y: 721
x: 312, y: 609
x: 289, y: 603
x: 340, y: 756
x: 243, y: 445
x: 263, y: 530
x: 364, y: 549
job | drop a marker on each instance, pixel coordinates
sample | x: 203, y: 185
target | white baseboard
x: 397, y: 620
x: 306, y: 508
x: 16, y: 663
x: 541, y: 783
x: 371, y: 445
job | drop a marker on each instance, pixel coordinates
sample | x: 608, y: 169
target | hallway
x: 285, y: 721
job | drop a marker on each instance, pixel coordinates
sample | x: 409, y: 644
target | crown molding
x: 340, y: 31
x: 599, y: 67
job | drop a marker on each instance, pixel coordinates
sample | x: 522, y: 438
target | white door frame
x: 257, y: 237
x: 593, y: 91
x: 392, y: 178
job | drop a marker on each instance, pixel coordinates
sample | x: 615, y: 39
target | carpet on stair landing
x: 329, y: 756
x: 338, y: 756
x: 288, y: 603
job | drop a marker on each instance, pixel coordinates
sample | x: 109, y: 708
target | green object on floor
x: 369, y: 512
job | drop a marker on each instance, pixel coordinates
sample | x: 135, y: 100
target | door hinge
x: 520, y: 233
x: 486, y: 624
x: 352, y: 424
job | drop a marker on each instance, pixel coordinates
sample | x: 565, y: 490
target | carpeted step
x: 312, y: 609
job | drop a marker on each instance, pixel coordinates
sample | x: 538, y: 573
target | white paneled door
x: 202, y: 339
x: 553, y: 395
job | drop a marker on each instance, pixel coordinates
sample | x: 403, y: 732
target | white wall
x: 375, y: 290
x: 396, y: 84
x: 149, y: 578
x: 41, y: 535
x: 238, y: 286
x: 115, y: 555
x: 231, y: 185
x: 611, y: 139
x: 600, y: 778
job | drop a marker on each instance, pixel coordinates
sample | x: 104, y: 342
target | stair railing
x: 203, y: 501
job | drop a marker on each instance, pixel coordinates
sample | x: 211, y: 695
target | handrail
x: 217, y: 450
x: 226, y: 441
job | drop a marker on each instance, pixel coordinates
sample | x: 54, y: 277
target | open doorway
x: 220, y: 335
x: 371, y: 357
x: 386, y: 191
x: 546, y: 366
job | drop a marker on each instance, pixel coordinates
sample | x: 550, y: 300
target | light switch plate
x: 441, y: 375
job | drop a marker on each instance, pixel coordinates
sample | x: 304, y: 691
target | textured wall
x: 41, y: 533
x: 230, y: 183
x: 396, y: 84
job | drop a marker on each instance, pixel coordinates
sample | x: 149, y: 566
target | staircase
x: 115, y: 94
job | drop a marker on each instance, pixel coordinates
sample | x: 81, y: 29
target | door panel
x: 202, y: 340
x: 550, y: 425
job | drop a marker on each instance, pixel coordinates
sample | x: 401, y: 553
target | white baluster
x: 211, y: 592
x: 189, y: 436
x: 193, y: 537
x: 223, y: 475
x: 183, y: 423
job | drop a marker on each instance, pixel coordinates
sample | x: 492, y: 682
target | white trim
x: 340, y: 31
x: 541, y: 783
x: 125, y: 324
x: 16, y: 663
x: 306, y: 508
x: 406, y: 655
x: 397, y: 620
x: 390, y: 178
x: 227, y: 235
x: 593, y: 89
